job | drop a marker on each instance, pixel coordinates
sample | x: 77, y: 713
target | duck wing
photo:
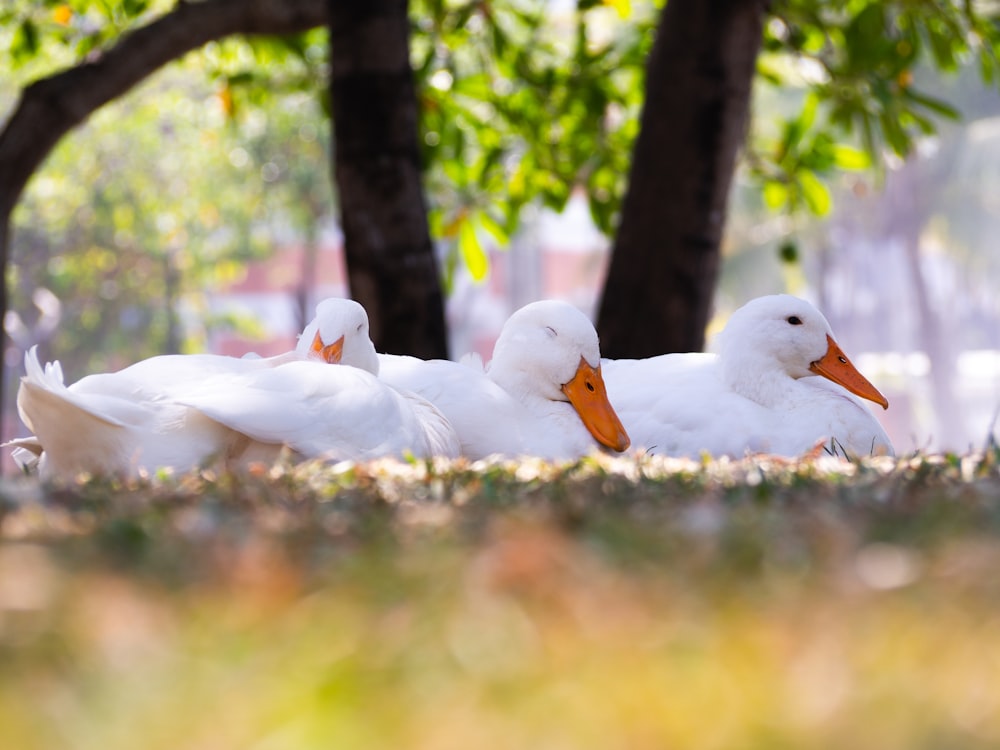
x: 321, y: 411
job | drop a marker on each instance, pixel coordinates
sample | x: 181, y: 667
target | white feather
x: 756, y: 395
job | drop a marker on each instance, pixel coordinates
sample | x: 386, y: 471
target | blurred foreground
x: 605, y: 603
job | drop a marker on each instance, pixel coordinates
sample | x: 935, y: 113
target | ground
x: 607, y: 603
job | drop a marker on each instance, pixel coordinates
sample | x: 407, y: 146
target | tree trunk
x: 665, y: 260
x: 391, y: 265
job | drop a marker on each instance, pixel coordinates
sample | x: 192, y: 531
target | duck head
x: 784, y: 335
x: 549, y: 350
x: 339, y: 335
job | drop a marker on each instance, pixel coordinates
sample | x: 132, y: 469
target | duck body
x: 183, y: 411
x: 487, y: 419
x: 541, y: 395
x: 103, y: 433
x: 779, y: 384
x: 319, y: 411
x: 700, y: 414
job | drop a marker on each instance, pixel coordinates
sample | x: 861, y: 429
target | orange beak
x: 835, y: 366
x: 331, y: 353
x: 587, y: 394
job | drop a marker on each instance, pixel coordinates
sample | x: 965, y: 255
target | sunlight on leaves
x: 850, y: 158
x: 472, y: 251
x: 815, y: 193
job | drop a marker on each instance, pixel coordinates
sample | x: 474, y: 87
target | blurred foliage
x: 638, y: 602
x: 47, y: 35
x: 521, y: 103
x: 858, y: 60
x: 157, y: 201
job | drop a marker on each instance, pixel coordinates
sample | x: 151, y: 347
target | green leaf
x: 492, y: 226
x: 864, y: 37
x: 243, y: 78
x: 790, y: 139
x: 517, y: 187
x: 134, y: 8
x: 768, y: 72
x: 815, y: 193
x: 499, y: 40
x: 894, y: 134
x: 603, y: 213
x: 24, y: 45
x: 472, y: 252
x: 808, y: 115
x: 623, y: 7
x: 941, y: 47
x: 435, y: 222
x: 987, y: 67
x: 850, y: 158
x: 488, y: 165
x: 775, y: 194
x: 935, y: 105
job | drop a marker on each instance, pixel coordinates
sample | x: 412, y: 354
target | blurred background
x: 189, y: 216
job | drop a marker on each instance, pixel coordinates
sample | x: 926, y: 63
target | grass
x: 607, y: 603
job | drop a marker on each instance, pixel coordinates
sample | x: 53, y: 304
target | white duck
x: 779, y: 384
x: 181, y: 411
x: 542, y: 394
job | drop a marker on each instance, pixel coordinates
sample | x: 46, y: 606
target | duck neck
x: 554, y: 429
x: 759, y: 379
x: 367, y: 359
x: 515, y: 382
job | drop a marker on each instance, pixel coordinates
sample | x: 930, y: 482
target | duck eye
x: 360, y: 327
x: 794, y: 320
